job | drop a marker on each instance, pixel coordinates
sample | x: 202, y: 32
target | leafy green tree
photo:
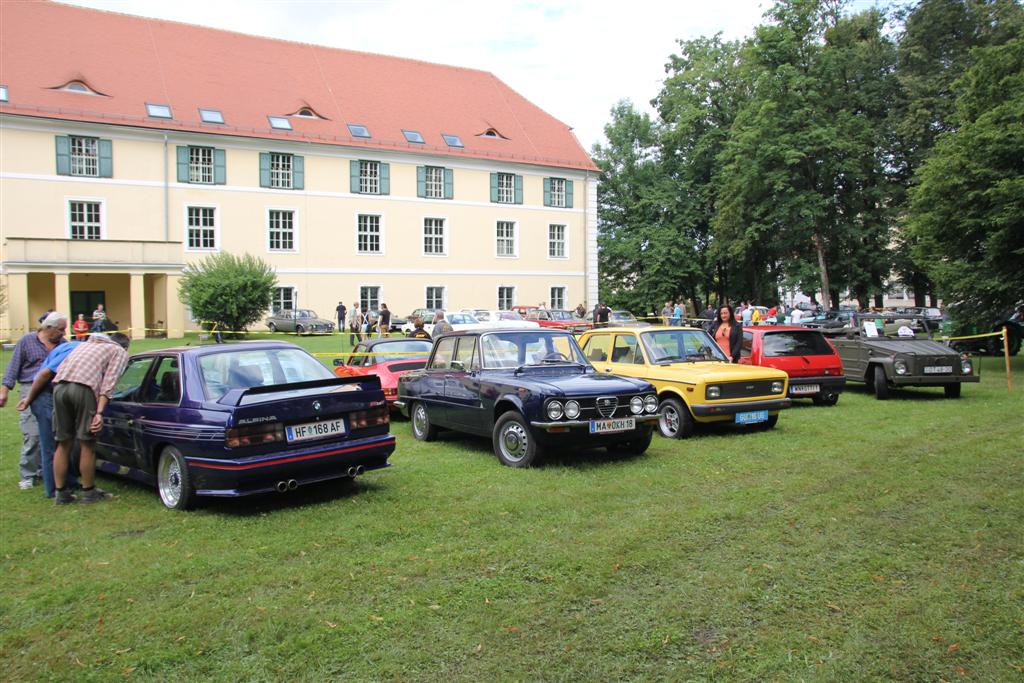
x: 231, y: 291
x: 967, y: 212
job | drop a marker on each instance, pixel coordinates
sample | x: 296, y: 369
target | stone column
x: 62, y: 295
x: 18, y: 318
x: 138, y: 306
x: 175, y: 310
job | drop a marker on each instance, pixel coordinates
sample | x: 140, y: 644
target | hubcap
x: 170, y: 480
x: 514, y: 442
x: 419, y: 420
x: 669, y: 421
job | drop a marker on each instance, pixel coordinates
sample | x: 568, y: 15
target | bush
x: 231, y: 291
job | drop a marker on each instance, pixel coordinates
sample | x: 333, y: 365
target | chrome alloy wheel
x: 668, y: 421
x: 169, y: 478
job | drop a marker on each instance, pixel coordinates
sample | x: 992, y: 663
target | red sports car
x: 559, y: 319
x: 807, y: 356
x: 388, y: 358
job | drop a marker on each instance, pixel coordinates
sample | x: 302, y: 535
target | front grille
x: 759, y: 387
x: 606, y: 405
x: 408, y: 365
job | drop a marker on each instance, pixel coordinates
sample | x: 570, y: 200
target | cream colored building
x: 109, y: 201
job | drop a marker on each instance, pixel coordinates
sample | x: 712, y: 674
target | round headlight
x: 777, y: 387
x: 901, y: 367
x: 966, y: 367
x: 572, y: 410
x: 651, y: 403
x: 636, y: 405
x: 554, y: 410
x: 714, y: 391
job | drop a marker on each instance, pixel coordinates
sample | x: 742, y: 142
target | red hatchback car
x: 558, y: 318
x: 807, y: 356
x: 388, y: 358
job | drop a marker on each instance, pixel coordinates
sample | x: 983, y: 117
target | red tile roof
x: 134, y: 60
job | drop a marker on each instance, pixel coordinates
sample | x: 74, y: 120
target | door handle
x: 607, y: 369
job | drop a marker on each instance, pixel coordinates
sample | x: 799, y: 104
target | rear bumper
x: 936, y: 381
x: 260, y: 474
x: 710, y: 411
x: 828, y: 384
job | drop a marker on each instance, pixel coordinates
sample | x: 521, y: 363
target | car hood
x: 910, y: 347
x: 706, y: 371
x: 556, y: 381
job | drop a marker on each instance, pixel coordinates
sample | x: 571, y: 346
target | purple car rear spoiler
x: 234, y: 396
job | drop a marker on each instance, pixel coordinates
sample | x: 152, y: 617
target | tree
x: 231, y: 291
x: 967, y: 212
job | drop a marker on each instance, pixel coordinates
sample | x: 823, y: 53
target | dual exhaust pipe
x: 290, y: 485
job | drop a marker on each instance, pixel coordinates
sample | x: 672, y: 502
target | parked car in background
x: 239, y: 419
x: 299, y: 321
x: 528, y: 390
x: 695, y: 381
x: 522, y: 310
x: 812, y: 363
x: 387, y: 358
x: 458, y: 321
x: 499, y: 319
x: 559, y: 319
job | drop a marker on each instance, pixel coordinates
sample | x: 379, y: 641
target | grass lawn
x: 870, y: 541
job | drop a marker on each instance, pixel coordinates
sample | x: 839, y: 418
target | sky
x: 574, y: 58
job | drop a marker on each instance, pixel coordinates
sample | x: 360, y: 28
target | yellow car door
x: 597, y: 348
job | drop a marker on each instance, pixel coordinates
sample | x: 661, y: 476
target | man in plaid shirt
x: 84, y: 383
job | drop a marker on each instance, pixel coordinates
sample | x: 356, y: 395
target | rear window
x: 222, y: 372
x: 796, y: 344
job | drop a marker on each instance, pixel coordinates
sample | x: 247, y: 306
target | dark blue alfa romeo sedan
x: 529, y: 390
x: 240, y: 419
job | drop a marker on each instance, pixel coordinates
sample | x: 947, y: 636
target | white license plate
x: 623, y: 424
x: 804, y: 388
x: 938, y: 369
x: 315, y: 430
x: 753, y: 417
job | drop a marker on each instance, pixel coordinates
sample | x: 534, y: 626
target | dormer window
x: 358, y: 130
x: 492, y: 133
x: 452, y: 140
x: 413, y: 136
x: 279, y: 122
x: 307, y: 113
x: 211, y: 116
x: 78, y: 87
x: 159, y: 111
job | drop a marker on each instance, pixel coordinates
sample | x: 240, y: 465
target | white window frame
x: 565, y: 242
x: 103, y: 215
x: 380, y: 295
x: 514, y: 301
x: 427, y: 185
x: 291, y: 171
x: 295, y: 230
x: 216, y: 227
x: 565, y: 297
x: 560, y: 194
x: 515, y: 239
x: 295, y: 298
x: 510, y: 198
x: 444, y: 236
x: 369, y: 178
x: 444, y: 297
x: 199, y: 167
x: 72, y: 156
x: 383, y: 232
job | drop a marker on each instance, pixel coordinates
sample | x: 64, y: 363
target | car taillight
x: 391, y: 392
x: 254, y: 435
x: 374, y: 417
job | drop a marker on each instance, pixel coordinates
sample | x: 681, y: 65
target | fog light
x: 554, y: 410
x: 572, y: 410
x: 714, y: 391
x: 651, y: 403
x: 636, y: 405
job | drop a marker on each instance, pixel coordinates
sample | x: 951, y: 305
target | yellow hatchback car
x: 694, y: 379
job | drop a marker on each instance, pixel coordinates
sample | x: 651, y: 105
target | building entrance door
x: 85, y: 303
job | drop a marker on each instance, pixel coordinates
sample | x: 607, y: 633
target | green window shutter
x: 547, y: 192
x: 494, y: 187
x: 182, y: 155
x: 106, y: 150
x: 298, y: 173
x: 449, y: 183
x: 385, y: 178
x: 421, y: 181
x: 519, y: 189
x: 63, y: 155
x: 353, y: 176
x: 568, y: 194
x: 264, y: 169
x: 220, y: 167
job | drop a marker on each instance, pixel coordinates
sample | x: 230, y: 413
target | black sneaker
x: 93, y: 495
x: 63, y: 497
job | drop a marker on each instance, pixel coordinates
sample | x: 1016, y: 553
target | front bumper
x: 828, y: 384
x: 716, y: 410
x: 932, y: 380
x: 260, y: 474
x: 562, y: 425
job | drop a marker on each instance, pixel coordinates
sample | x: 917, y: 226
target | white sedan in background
x: 500, y: 319
x: 458, y: 321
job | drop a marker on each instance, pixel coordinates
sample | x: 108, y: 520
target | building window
x: 369, y: 177
x: 433, y: 236
x: 281, y: 171
x: 200, y: 164
x: 435, y: 298
x: 506, y: 239
x: 202, y: 227
x: 452, y: 140
x: 506, y: 298
x: 279, y: 122
x: 369, y: 298
x: 558, y: 192
x: 368, y: 234
x: 284, y: 299
x: 556, y: 241
x: 85, y: 221
x: 434, y: 182
x: 159, y: 111
x: 558, y: 297
x: 281, y: 226
x: 506, y: 188
x: 211, y: 116
x: 413, y: 136
x: 85, y: 158
x: 358, y: 131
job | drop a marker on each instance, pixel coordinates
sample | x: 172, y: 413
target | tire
x: 826, y: 398
x: 952, y: 390
x: 674, y: 419
x: 422, y: 429
x: 772, y: 421
x: 173, y: 480
x: 514, y: 443
x: 637, y: 446
x: 299, y: 329
x: 272, y: 327
x: 880, y: 384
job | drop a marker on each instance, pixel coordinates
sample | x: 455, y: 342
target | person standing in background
x: 678, y: 313
x: 353, y: 324
x: 98, y: 318
x: 81, y: 327
x: 383, y: 321
x: 341, y: 310
x: 728, y: 333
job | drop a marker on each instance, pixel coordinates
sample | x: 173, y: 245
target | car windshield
x: 561, y: 315
x: 622, y: 315
x: 668, y: 346
x: 461, y: 319
x: 514, y: 349
x: 400, y: 350
x: 796, y: 344
x: 508, y: 315
x: 242, y: 369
